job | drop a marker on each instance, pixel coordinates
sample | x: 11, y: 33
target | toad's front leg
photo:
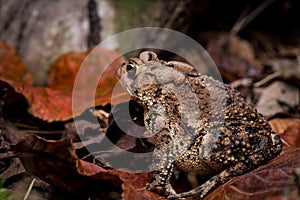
x: 161, y: 183
x: 163, y: 163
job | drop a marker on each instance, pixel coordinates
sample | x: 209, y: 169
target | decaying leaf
x: 233, y: 56
x: 280, y: 125
x: 57, y: 163
x: 289, y: 130
x: 269, y: 181
x: 11, y: 66
x: 54, y: 103
x: 285, y: 68
x: 138, y: 194
x: 278, y: 97
x: 64, y: 70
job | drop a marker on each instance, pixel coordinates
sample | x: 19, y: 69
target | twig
x: 8, y: 155
x: 29, y: 189
x: 240, y: 24
x: 267, y: 79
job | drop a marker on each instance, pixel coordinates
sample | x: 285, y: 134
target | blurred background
x: 41, y: 31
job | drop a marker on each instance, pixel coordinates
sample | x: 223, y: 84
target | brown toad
x: 200, y: 125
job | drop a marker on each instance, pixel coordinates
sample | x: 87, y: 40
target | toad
x: 199, y: 124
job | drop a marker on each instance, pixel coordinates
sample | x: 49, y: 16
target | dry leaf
x: 54, y: 103
x: 233, y: 56
x: 64, y: 70
x: 11, y: 66
x: 280, y: 125
x: 278, y: 98
x: 56, y: 163
x: 289, y: 130
x: 266, y: 182
x: 131, y: 193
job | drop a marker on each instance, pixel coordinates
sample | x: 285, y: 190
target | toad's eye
x: 132, y: 70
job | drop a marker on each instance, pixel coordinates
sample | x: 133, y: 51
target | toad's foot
x: 214, y: 182
x: 197, y: 193
x: 165, y: 191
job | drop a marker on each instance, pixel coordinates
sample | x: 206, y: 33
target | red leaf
x: 56, y: 163
x: 64, y: 70
x: 266, y: 182
x: 139, y: 194
x: 11, y: 66
x: 289, y: 130
x: 54, y: 103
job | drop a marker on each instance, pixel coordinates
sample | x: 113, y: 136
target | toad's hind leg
x: 225, y: 175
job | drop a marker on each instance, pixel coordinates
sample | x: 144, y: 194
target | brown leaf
x: 233, y: 56
x: 280, y: 125
x: 48, y: 104
x: 134, y: 187
x: 44, y: 102
x: 266, y: 182
x: 277, y: 98
x: 289, y: 130
x: 54, y: 103
x: 49, y: 160
x: 138, y: 194
x: 98, y: 74
x: 88, y: 169
x: 11, y: 66
x: 64, y: 70
x: 56, y: 163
